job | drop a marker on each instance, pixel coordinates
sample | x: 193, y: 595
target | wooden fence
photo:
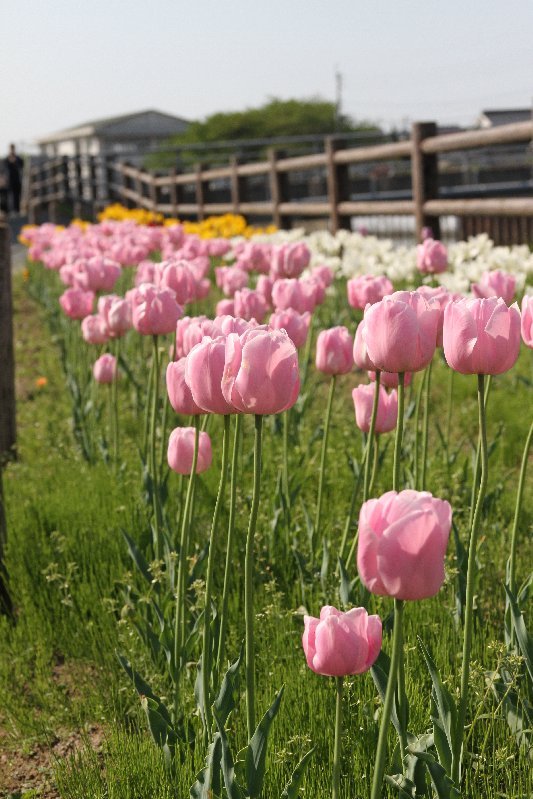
x: 93, y: 182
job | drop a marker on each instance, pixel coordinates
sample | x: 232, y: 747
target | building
x: 126, y: 135
x: 504, y: 116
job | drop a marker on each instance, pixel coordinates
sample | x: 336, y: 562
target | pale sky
x: 64, y: 62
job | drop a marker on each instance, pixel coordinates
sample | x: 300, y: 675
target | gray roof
x: 506, y: 116
x: 140, y: 124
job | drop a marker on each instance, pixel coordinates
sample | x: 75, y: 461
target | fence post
x: 173, y: 192
x: 199, y: 192
x: 51, y: 190
x: 153, y: 191
x: 338, y: 185
x: 78, y: 187
x: 278, y: 191
x: 235, y: 185
x: 7, y: 370
x: 424, y: 178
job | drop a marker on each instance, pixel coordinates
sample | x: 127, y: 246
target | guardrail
x: 96, y: 181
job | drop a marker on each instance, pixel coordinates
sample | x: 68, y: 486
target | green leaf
x: 444, y: 786
x: 525, y: 642
x: 445, y: 724
x: 226, y: 699
x: 257, y: 749
x: 406, y: 789
x: 161, y: 730
x: 291, y: 789
x: 208, y: 784
x: 518, y: 711
x: 346, y: 586
x: 233, y: 790
x: 380, y: 674
x: 137, y: 557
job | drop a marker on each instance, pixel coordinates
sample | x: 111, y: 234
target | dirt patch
x: 22, y: 771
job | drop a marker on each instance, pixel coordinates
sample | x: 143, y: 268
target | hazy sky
x: 63, y: 62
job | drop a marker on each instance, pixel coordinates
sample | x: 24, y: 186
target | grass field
x: 71, y: 724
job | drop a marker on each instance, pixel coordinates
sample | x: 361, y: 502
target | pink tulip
x: 148, y: 272
x: 334, y: 351
x: 527, y: 320
x: 204, y: 371
x: 402, y: 544
x: 225, y: 308
x: 94, y: 329
x: 367, y: 289
x: 179, y: 393
x: 230, y: 279
x: 481, y: 336
x: 324, y: 274
x: 190, y: 331
x: 261, y: 371
x: 442, y: 297
x: 296, y: 325
x: 76, y: 303
x: 387, y: 414
x: 117, y: 314
x: 177, y: 276
x: 218, y: 247
x: 254, y: 256
x: 181, y: 451
x: 338, y: 644
x: 105, y: 368
x: 401, y: 332
x: 495, y: 284
x: 390, y: 379
x: 226, y: 324
x: 154, y: 311
x: 297, y: 294
x: 289, y: 260
x: 264, y: 286
x: 249, y: 304
x: 431, y: 257
x: 360, y: 350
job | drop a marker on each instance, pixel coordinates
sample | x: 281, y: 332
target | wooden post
x: 199, y: 192
x: 278, y: 191
x: 235, y: 185
x: 109, y: 193
x: 153, y: 191
x: 174, y: 192
x: 424, y: 178
x: 78, y: 187
x: 338, y: 185
x: 7, y: 369
x: 51, y: 190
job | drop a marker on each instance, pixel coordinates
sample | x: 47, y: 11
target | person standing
x: 13, y: 167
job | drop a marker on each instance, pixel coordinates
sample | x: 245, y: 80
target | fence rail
x: 266, y: 189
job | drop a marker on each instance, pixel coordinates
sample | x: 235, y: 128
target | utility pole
x: 338, y: 98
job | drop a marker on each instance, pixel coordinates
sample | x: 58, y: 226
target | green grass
x: 71, y: 577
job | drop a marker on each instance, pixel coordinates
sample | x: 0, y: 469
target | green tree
x: 274, y: 118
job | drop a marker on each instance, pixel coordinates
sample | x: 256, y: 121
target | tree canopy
x: 274, y: 118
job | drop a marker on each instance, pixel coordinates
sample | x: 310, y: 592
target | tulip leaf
x: 444, y: 786
x: 233, y: 789
x: 525, y: 643
x: 380, y: 674
x: 257, y: 749
x: 226, y: 699
x: 404, y: 786
x: 137, y: 557
x: 161, y: 730
x: 291, y: 789
x: 346, y: 586
x: 461, y: 559
x: 518, y: 711
x: 445, y: 721
x: 208, y: 783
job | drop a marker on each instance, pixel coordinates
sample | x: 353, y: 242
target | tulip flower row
x: 234, y: 364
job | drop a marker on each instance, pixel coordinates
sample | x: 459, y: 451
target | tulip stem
x: 179, y: 621
x: 249, y: 584
x: 451, y: 380
x: 229, y: 545
x: 518, y: 508
x: 323, y: 460
x: 425, y: 428
x: 285, y: 475
x: 206, y: 657
x: 399, y: 433
x: 381, y: 751
x: 339, y: 682
x: 370, y: 440
x: 153, y: 462
x: 114, y: 394
x: 470, y: 585
x: 375, y: 464
x: 419, y: 393
x: 477, y: 463
x: 147, y: 410
x: 349, y: 518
